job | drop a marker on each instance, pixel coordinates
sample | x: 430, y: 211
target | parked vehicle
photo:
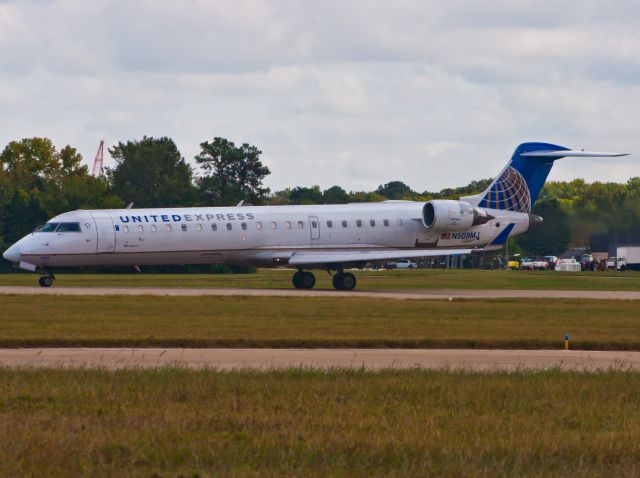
x: 587, y: 263
x: 530, y: 264
x: 621, y: 261
x: 405, y: 264
x: 513, y: 265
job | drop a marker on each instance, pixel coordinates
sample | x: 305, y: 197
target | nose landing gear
x: 46, y: 279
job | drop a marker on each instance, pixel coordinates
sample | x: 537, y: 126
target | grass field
x: 170, y: 422
x: 316, y: 322
x: 367, y: 280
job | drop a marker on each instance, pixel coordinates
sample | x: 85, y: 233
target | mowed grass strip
x: 367, y: 280
x: 211, y: 321
x: 176, y: 422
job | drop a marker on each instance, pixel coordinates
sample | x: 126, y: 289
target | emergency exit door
x: 106, y: 232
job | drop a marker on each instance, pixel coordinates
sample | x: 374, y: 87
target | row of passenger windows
x: 272, y: 224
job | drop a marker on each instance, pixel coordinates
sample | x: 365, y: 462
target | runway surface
x: 386, y: 294
x: 264, y: 359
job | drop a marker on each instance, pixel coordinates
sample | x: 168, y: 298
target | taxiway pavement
x: 265, y: 359
x: 386, y: 294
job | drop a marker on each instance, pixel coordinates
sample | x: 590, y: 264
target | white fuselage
x: 250, y: 235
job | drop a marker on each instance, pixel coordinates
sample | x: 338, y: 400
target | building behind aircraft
x: 325, y: 237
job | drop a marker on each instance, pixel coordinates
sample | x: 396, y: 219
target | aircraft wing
x: 303, y: 258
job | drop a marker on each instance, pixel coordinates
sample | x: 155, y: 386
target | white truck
x: 631, y: 255
x: 621, y: 263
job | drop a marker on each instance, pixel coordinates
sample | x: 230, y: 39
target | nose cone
x: 12, y: 254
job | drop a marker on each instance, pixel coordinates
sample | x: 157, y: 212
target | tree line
x: 38, y: 181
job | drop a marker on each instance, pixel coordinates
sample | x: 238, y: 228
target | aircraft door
x: 106, y: 232
x: 314, y: 226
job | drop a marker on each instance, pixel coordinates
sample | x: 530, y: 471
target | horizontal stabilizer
x: 568, y: 153
x: 339, y: 257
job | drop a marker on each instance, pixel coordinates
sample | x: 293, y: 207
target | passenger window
x: 168, y: 227
x: 344, y: 223
x: 258, y: 225
x: 300, y: 225
x: 244, y: 226
x: 314, y: 224
x: 154, y: 228
x: 359, y: 222
x: 386, y: 222
x: 183, y: 227
x: 273, y: 225
x: 287, y: 224
x: 140, y: 228
x: 214, y: 227
x: 329, y: 223
x: 125, y: 228
x: 198, y: 227
x: 372, y: 222
x: 68, y: 227
x: 229, y: 226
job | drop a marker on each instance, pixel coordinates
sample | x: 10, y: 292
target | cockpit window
x: 68, y: 227
x: 48, y: 227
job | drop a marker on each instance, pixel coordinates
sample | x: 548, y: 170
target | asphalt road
x: 264, y: 359
x: 387, y: 294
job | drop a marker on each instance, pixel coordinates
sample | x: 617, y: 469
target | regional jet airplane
x: 329, y: 237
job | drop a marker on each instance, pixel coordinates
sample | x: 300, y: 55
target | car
x: 405, y: 264
x: 530, y: 264
x: 622, y: 263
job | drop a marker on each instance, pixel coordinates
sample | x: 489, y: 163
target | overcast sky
x: 355, y: 93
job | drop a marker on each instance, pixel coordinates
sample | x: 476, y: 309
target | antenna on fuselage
x: 130, y: 205
x: 240, y: 203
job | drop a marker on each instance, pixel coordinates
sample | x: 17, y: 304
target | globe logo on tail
x: 509, y: 192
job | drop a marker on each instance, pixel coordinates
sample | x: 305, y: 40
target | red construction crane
x: 97, y: 163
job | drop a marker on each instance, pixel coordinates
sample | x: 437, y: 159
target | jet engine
x: 447, y: 215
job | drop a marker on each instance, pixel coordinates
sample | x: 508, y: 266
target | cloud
x: 353, y: 93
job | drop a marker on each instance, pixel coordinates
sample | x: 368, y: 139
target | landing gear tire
x: 344, y: 281
x: 45, y: 281
x: 303, y: 280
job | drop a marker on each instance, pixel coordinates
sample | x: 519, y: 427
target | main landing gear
x: 341, y: 280
x: 344, y: 281
x: 303, y: 280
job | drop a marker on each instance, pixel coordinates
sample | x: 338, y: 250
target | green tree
x: 335, y: 195
x: 38, y: 182
x: 301, y: 195
x: 151, y: 173
x: 396, y: 190
x: 233, y: 173
x: 280, y: 198
x: 364, y: 196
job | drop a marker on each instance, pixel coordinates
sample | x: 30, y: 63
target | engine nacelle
x: 447, y: 215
